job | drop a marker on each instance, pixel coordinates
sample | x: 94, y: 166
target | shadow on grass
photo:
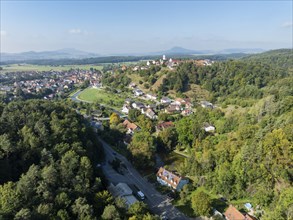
x: 186, y: 209
x: 219, y: 205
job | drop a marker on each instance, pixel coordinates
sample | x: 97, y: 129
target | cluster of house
x: 56, y: 81
x: 171, y: 63
x: 179, y: 105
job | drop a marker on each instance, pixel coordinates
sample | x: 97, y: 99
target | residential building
x: 151, y: 96
x: 209, y: 128
x: 123, y: 191
x: 131, y: 127
x: 125, y: 109
x: 138, y: 105
x: 186, y: 112
x: 132, y: 85
x: 170, y: 179
x: 138, y: 92
x: 206, y: 104
x: 172, y: 109
x: 233, y: 214
x: 166, y: 100
x: 164, y: 125
x: 150, y: 113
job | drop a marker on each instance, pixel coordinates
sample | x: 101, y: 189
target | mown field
x: 102, y: 96
x: 29, y: 67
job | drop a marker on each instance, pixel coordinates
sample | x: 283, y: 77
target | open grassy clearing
x: 102, y: 96
x: 29, y: 67
x: 198, y: 92
x: 159, y: 82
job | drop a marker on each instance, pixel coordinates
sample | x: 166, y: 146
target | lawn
x: 172, y: 160
x: 29, y: 67
x: 101, y: 96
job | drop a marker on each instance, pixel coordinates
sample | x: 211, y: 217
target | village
x: 48, y: 84
x: 148, y: 104
x: 151, y: 106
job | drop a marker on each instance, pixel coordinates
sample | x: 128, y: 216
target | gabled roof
x: 166, y: 99
x: 169, y: 177
x: 164, y: 125
x: 130, y: 125
x: 233, y: 214
x: 150, y: 112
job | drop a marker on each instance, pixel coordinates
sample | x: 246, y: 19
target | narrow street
x: 157, y: 203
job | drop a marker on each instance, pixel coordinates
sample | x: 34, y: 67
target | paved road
x: 74, y: 96
x: 157, y: 203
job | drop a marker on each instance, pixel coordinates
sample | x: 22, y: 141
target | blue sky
x: 108, y: 27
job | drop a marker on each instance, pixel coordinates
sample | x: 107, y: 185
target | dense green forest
x: 46, y: 162
x: 47, y: 166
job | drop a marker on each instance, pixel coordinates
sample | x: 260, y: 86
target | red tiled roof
x: 169, y: 177
x: 233, y: 214
x: 130, y: 125
x: 165, y: 124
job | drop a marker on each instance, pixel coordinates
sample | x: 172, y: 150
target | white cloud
x: 3, y: 33
x: 75, y: 31
x: 287, y: 24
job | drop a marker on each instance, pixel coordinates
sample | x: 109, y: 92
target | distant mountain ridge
x: 66, y: 53
x: 70, y: 53
x: 181, y: 51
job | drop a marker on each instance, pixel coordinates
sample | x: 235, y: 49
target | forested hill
x: 280, y: 58
x: 242, y: 79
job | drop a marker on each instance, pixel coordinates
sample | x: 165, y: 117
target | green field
x: 29, y: 67
x: 102, y: 96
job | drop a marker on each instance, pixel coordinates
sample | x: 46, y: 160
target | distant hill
x: 67, y: 53
x: 280, y: 57
x: 181, y: 51
x: 184, y: 51
x: 241, y: 50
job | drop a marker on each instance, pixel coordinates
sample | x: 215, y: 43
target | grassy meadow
x: 102, y: 96
x: 29, y: 67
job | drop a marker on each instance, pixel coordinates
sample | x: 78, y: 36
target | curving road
x: 157, y: 202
